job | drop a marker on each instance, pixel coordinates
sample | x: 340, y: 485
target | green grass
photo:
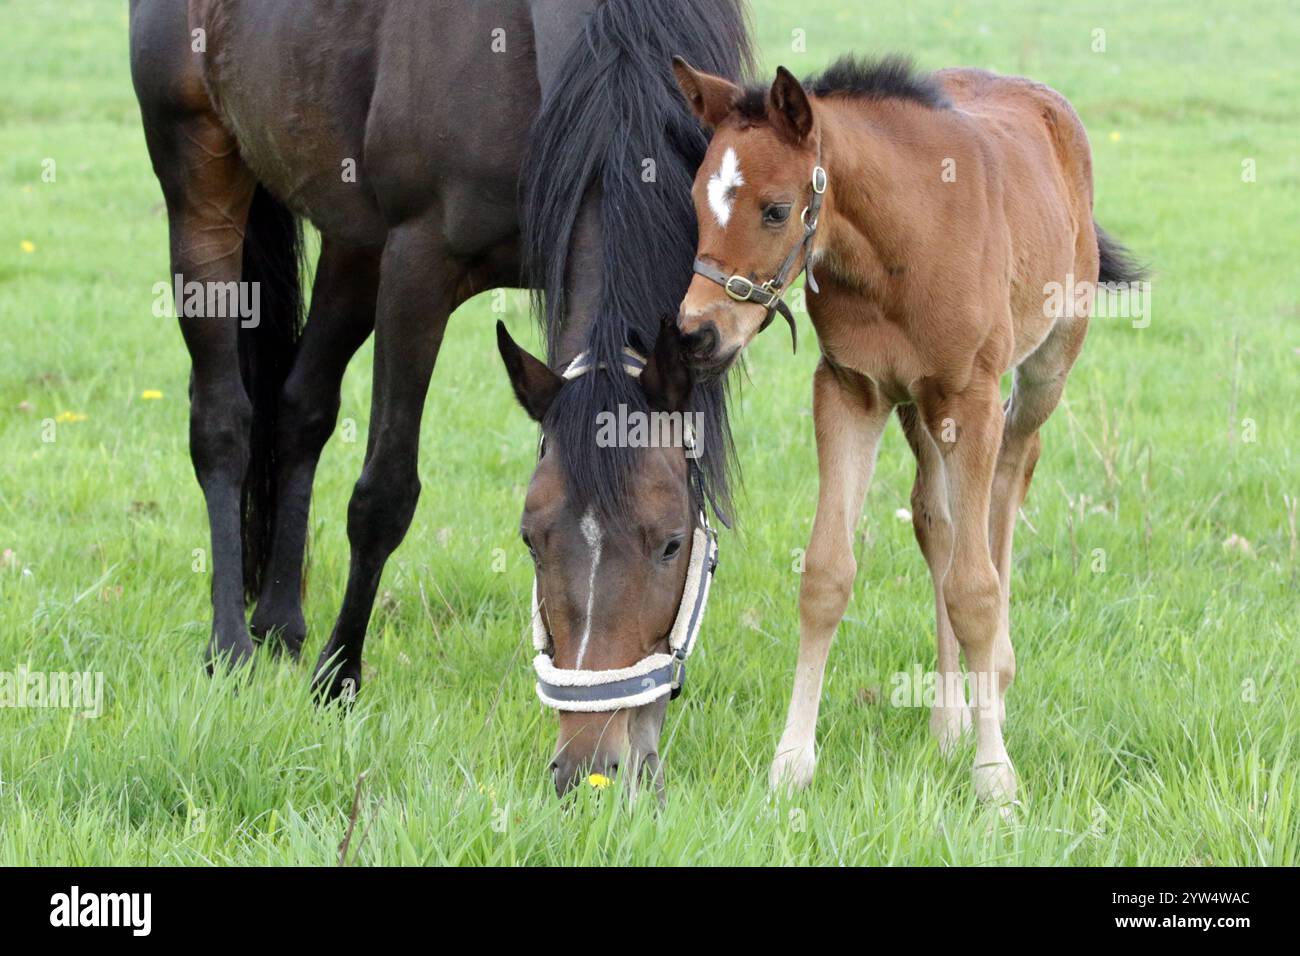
x: 1154, y: 719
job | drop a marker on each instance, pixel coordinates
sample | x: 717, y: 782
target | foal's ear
x: 789, y: 107
x: 535, y: 385
x: 711, y: 97
x: 667, y: 379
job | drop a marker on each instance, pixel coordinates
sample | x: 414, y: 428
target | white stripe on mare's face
x: 723, y: 185
x: 591, y: 533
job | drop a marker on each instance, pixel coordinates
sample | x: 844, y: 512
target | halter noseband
x: 768, y: 295
x: 656, y: 675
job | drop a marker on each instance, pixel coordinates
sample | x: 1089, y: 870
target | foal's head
x: 609, y: 579
x: 751, y: 195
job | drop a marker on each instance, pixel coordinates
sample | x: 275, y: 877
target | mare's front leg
x: 341, y: 318
x: 417, y: 289
x: 849, y: 415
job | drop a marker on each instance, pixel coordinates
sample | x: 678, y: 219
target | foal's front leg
x: 849, y: 414
x: 967, y: 428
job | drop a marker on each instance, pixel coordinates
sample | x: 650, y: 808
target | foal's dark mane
x: 894, y: 77
x: 616, y: 108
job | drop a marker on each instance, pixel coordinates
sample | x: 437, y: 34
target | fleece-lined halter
x: 657, y: 675
x: 768, y: 295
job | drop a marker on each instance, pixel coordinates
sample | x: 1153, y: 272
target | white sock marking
x: 722, y: 187
x: 591, y: 533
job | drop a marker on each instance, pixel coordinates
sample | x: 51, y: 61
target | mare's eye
x: 776, y: 214
x: 529, y: 545
x: 671, y: 549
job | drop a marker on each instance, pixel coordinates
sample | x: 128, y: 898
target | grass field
x: 1155, y: 718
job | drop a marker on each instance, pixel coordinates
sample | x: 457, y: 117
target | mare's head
x: 610, y: 521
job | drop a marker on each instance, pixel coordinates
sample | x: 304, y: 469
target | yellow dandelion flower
x: 27, y: 245
x: 151, y: 395
x: 64, y: 418
x: 599, y: 781
x: 1115, y: 136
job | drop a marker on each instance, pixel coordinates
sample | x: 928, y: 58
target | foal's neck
x: 886, y: 163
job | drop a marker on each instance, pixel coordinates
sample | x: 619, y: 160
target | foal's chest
x: 859, y: 337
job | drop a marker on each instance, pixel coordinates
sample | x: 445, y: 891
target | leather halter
x: 656, y: 675
x: 768, y: 295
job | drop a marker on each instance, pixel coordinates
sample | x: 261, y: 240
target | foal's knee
x: 825, y: 590
x: 973, y: 600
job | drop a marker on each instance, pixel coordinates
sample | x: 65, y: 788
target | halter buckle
x: 819, y: 180
x: 677, y: 675
x: 740, y: 282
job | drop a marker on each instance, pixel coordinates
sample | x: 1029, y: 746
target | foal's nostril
x: 701, y: 343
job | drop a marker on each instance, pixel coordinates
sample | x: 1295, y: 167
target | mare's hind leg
x: 1039, y: 381
x: 949, y: 717
x: 849, y: 415
x: 208, y: 192
x: 419, y: 286
x: 341, y: 318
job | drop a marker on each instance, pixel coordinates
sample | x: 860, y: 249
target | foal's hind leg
x: 341, y: 318
x: 209, y: 191
x: 849, y: 415
x: 950, y: 717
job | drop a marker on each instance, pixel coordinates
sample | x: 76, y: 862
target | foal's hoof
x: 995, y: 783
x: 792, y: 769
x: 950, y: 725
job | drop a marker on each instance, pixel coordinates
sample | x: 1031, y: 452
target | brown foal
x: 944, y: 209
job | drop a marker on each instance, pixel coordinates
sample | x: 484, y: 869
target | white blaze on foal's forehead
x: 723, y: 185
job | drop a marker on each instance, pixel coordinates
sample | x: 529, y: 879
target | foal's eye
x: 671, y: 549
x: 776, y: 214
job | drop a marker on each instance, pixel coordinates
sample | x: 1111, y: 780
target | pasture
x: 1156, y: 714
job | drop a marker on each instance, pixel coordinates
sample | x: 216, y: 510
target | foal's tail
x: 1117, y: 263
x: 273, y: 259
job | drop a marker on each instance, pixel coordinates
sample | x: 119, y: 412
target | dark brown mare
x: 942, y: 218
x: 441, y: 148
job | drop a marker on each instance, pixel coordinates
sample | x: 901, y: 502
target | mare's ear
x: 535, y: 385
x: 788, y: 106
x: 710, y: 97
x: 667, y: 379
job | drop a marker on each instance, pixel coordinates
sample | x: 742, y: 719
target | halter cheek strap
x: 769, y: 294
x: 656, y: 675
